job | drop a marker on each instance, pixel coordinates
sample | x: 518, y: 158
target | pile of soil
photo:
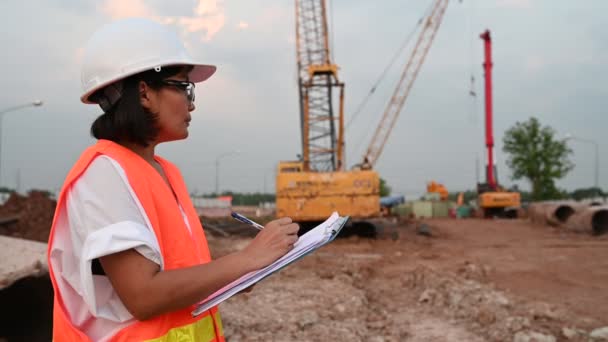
x: 35, y: 212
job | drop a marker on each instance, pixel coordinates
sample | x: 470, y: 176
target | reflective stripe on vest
x: 202, y: 330
x: 179, y: 247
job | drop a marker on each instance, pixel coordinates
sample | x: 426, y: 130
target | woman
x: 127, y: 254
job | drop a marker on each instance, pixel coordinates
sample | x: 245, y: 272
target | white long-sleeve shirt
x: 102, y: 216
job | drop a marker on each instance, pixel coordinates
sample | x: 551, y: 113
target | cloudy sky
x: 551, y: 61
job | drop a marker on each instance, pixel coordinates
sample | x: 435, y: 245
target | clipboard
x: 306, y: 244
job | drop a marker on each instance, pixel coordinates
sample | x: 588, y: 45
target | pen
x: 243, y: 219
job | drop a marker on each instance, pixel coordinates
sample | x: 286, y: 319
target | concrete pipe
x: 557, y: 214
x: 553, y: 213
x: 592, y: 220
x: 536, y: 213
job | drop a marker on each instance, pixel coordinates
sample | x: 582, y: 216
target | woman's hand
x: 147, y: 291
x: 271, y: 243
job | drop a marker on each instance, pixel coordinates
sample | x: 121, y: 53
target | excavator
x: 309, y: 189
x: 493, y: 200
x: 438, y: 188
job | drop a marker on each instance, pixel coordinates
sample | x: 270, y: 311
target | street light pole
x: 597, y: 156
x: 217, y: 168
x: 36, y: 103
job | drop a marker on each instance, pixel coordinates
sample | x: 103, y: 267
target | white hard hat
x: 129, y: 46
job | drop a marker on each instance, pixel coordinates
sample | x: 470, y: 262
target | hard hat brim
x: 199, y: 73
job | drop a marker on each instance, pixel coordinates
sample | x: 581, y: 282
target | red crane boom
x: 487, y: 65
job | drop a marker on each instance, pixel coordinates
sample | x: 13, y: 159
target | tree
x: 524, y: 196
x: 537, y: 156
x: 7, y: 190
x: 584, y: 193
x: 385, y: 190
x: 239, y: 198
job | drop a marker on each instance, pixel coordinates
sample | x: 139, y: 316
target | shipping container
x: 422, y: 209
x: 440, y: 209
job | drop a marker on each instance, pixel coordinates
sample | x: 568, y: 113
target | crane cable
x: 383, y: 74
x: 331, y: 30
x: 473, y: 98
x: 386, y: 69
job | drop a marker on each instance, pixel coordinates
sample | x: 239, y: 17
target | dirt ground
x: 471, y: 280
x: 468, y: 280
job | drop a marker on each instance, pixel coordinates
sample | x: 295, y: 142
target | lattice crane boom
x: 321, y: 127
x: 395, y: 105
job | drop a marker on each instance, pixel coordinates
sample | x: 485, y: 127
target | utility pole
x: 217, y: 169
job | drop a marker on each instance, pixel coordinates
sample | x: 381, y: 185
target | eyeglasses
x: 185, y: 86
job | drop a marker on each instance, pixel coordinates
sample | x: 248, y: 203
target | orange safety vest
x: 178, y: 247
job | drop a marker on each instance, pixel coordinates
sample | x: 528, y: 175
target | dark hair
x: 127, y: 119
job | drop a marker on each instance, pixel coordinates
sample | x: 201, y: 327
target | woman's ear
x: 146, y: 97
